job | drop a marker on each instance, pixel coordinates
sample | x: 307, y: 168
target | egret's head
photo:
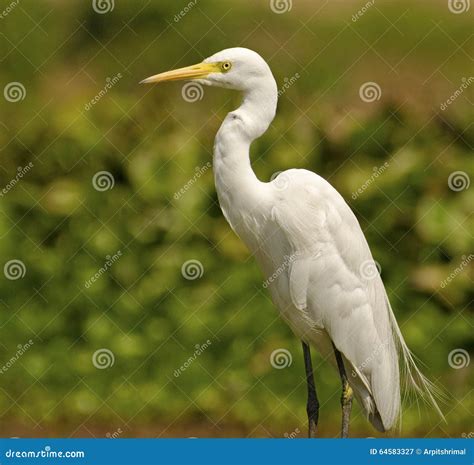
x: 233, y: 68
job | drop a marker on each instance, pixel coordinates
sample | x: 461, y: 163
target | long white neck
x: 237, y: 186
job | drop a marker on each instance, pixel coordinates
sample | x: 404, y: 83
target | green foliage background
x: 152, y: 141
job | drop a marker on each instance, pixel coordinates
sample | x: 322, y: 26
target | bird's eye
x: 226, y: 66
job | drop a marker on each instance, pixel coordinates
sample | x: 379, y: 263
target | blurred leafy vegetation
x: 152, y: 141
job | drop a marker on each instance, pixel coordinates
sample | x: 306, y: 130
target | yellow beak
x: 200, y: 70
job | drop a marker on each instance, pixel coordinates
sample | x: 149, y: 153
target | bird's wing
x: 334, y: 278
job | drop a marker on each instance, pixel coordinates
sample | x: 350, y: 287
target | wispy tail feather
x: 415, y: 379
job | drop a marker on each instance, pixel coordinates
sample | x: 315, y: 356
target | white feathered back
x: 335, y: 285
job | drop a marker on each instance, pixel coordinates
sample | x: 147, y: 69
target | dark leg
x: 346, y: 398
x: 312, y: 407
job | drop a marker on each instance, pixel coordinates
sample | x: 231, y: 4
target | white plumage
x: 309, y: 244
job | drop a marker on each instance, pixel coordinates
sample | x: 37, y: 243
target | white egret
x: 305, y: 236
